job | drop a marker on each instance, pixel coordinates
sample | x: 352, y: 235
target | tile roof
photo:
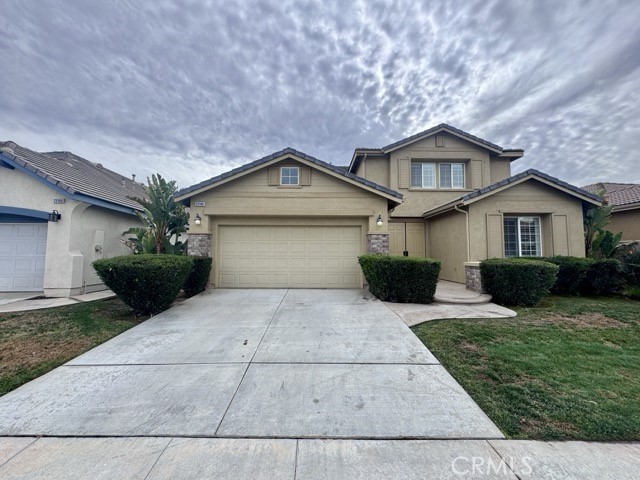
x: 526, y: 173
x: 507, y: 181
x: 617, y: 194
x: 432, y: 130
x: 341, y: 170
x: 76, y: 175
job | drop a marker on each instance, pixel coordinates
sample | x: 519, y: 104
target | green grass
x: 568, y: 369
x: 35, y: 342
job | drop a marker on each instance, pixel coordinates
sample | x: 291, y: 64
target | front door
x: 407, y: 239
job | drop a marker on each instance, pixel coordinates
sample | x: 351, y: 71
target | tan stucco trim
x: 279, y: 159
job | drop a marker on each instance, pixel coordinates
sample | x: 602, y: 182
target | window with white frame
x: 451, y: 175
x: 522, y: 237
x: 289, y: 176
x: 423, y: 175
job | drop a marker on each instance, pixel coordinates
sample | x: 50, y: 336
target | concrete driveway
x: 254, y: 363
x: 295, y: 385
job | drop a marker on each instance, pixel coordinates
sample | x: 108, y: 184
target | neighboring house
x: 291, y: 220
x: 38, y: 254
x: 625, y: 199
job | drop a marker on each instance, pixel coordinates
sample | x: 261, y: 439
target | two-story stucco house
x: 291, y: 220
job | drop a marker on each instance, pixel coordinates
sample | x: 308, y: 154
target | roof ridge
x: 279, y: 153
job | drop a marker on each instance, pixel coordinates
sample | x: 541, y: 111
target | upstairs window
x: 423, y: 175
x: 289, y: 176
x: 451, y: 175
x: 522, y: 237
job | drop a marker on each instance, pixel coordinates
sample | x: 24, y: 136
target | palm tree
x: 164, y: 220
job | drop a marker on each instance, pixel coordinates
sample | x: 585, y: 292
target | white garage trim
x: 289, y: 256
x: 22, y: 255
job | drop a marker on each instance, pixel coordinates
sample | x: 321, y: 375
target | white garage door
x: 22, y: 251
x: 289, y: 256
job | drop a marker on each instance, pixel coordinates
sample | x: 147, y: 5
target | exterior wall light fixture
x: 54, y: 216
x: 379, y: 221
x: 198, y: 219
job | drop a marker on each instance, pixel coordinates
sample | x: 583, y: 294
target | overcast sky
x: 190, y: 89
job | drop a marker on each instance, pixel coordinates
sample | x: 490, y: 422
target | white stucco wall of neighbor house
x: 84, y: 233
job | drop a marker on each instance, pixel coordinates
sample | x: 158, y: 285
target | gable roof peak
x: 182, y: 194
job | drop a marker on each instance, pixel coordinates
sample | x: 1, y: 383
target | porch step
x: 456, y: 293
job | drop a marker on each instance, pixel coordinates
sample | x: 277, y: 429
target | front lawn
x: 569, y: 369
x: 34, y: 342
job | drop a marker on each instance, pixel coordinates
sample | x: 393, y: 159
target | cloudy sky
x: 191, y: 89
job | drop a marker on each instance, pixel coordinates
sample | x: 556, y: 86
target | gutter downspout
x: 457, y: 209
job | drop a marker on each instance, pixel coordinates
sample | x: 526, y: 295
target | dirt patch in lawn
x: 28, y: 352
x: 583, y: 320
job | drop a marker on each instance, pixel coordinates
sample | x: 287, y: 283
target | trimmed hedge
x: 199, y: 277
x: 517, y: 281
x: 571, y: 274
x: 604, y: 277
x: 147, y: 283
x: 401, y: 279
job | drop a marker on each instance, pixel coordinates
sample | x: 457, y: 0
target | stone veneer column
x: 378, y: 243
x: 472, y: 278
x: 199, y: 244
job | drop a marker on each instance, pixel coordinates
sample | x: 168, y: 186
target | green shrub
x: 571, y: 274
x: 147, y: 283
x: 631, y: 267
x: 517, y: 281
x: 603, y: 277
x: 199, y: 277
x: 632, y: 292
x: 401, y: 279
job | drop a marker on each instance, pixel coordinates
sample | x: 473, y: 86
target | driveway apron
x: 278, y: 364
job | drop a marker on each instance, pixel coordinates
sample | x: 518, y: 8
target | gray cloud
x: 190, y: 88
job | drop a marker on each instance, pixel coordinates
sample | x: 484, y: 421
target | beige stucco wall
x: 627, y: 222
x: 375, y: 169
x: 447, y: 242
x: 481, y: 169
x: 250, y: 200
x: 561, y: 219
x: 500, y: 168
x: 71, y: 241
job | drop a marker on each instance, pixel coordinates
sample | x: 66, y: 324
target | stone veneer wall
x: 378, y: 243
x: 199, y: 244
x: 472, y: 278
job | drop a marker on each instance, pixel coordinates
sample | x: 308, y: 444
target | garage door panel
x: 290, y: 256
x: 22, y: 256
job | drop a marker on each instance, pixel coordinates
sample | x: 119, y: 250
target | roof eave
x: 512, y: 154
x: 625, y: 207
x: 191, y: 192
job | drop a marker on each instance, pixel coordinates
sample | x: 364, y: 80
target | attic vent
x: 439, y: 140
x: 69, y: 164
x: 99, y: 165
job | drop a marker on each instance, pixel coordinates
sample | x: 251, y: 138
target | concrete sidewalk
x: 21, y: 303
x: 155, y: 458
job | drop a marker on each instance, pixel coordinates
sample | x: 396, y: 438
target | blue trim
x: 24, y: 212
x: 7, y: 218
x: 6, y: 165
x: 81, y: 197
